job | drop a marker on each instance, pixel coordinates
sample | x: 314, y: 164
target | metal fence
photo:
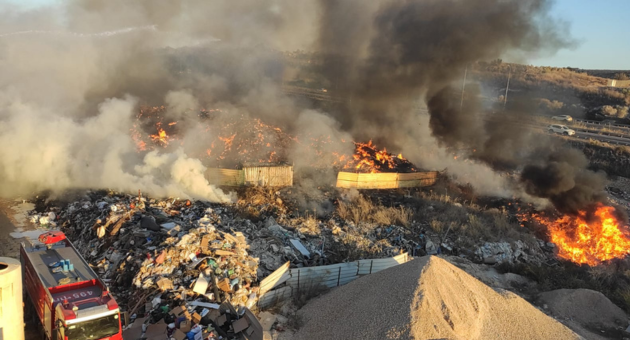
x: 285, y: 283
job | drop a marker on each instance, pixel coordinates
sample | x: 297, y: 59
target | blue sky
x: 601, y: 27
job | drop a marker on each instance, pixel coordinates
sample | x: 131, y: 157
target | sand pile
x: 585, y: 306
x: 427, y: 298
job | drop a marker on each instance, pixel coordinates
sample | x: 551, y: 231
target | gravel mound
x: 427, y: 298
x: 587, y: 307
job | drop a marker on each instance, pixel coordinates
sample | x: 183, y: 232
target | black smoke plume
x: 563, y: 179
x: 396, y: 52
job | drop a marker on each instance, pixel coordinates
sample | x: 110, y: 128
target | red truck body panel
x: 78, y: 290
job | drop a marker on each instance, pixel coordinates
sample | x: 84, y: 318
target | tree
x: 551, y: 105
x: 622, y: 76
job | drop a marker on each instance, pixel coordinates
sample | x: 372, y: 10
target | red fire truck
x: 69, y: 299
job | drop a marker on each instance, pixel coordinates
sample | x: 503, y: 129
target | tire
x: 550, y: 131
x: 566, y: 133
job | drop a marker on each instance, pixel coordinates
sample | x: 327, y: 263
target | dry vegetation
x: 540, y: 76
x: 553, y: 90
x: 613, y: 159
x: 446, y: 210
x: 361, y: 210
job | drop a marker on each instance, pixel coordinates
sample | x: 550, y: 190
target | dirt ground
x: 10, y: 247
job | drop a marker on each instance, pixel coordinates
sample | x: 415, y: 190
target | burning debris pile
x: 159, y: 132
x: 228, y: 140
x: 236, y: 140
x: 244, y: 140
x: 590, y: 237
x: 367, y: 158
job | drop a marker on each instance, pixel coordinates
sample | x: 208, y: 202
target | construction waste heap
x: 190, y: 269
x: 182, y: 267
x: 172, y: 264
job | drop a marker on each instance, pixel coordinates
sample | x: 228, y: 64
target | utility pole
x: 461, y: 104
x: 507, y: 87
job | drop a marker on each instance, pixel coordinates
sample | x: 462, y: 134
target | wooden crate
x: 386, y: 180
x: 271, y: 176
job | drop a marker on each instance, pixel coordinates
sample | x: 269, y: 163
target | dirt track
x: 9, y: 247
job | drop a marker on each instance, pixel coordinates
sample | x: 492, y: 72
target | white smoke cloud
x: 72, y: 77
x: 42, y: 151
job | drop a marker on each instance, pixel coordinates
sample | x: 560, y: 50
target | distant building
x: 618, y: 83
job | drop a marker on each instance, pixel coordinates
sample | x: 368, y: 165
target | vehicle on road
x: 563, y: 129
x: 65, y: 294
x: 564, y: 118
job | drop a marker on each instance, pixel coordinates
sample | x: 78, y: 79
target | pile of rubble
x: 197, y: 321
x: 514, y: 252
x: 161, y: 255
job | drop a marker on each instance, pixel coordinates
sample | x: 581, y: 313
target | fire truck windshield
x: 94, y: 329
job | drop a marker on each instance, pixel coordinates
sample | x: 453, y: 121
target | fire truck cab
x: 69, y: 299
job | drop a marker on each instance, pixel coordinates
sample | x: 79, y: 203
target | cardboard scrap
x: 165, y: 284
x: 201, y: 286
x: 240, y: 325
x: 224, y: 285
x: 179, y: 335
x: 224, y: 253
x: 214, y: 315
x: 205, y: 240
x: 135, y: 329
x: 185, y: 326
x: 181, y: 311
x: 196, y: 318
x: 156, y: 331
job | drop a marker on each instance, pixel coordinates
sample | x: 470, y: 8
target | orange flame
x: 593, y: 242
x: 161, y: 137
x: 228, y: 141
x: 368, y: 158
